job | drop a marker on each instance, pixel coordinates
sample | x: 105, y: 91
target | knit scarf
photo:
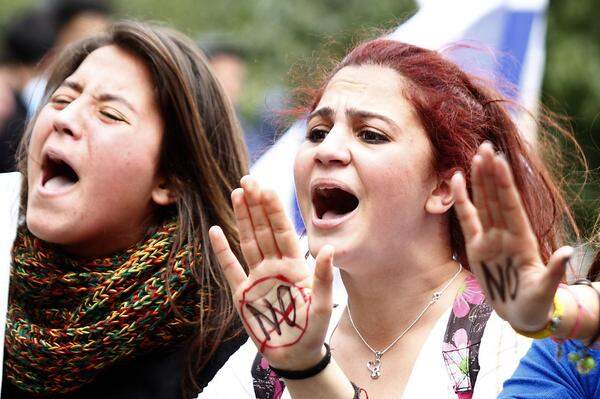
x: 68, y: 319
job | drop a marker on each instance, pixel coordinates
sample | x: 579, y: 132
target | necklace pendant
x: 375, y: 366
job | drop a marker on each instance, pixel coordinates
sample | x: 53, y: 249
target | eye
x: 316, y: 135
x: 60, y: 100
x: 373, y: 137
x: 112, y: 115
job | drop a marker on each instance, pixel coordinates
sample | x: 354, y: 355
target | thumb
x: 323, y: 279
x: 556, y: 267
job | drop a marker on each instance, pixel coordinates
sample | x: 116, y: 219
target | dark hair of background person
x: 215, y: 48
x: 22, y: 47
x: 27, y: 38
x: 202, y: 155
x: 63, y: 11
x: 458, y: 113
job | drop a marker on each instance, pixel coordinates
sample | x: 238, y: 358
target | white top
x: 499, y: 354
x: 10, y: 185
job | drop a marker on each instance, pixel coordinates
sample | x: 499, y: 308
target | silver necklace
x: 374, y: 367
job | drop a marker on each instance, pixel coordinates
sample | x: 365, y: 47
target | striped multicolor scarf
x: 69, y: 319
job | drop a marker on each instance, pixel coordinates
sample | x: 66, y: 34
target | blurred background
x: 261, y: 48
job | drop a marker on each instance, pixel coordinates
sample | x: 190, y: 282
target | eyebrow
x: 325, y: 113
x: 351, y: 113
x: 102, y: 97
x: 72, y: 85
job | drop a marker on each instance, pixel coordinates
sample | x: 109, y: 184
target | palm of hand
x: 512, y: 274
x: 274, y: 303
x: 285, y: 308
x: 502, y: 249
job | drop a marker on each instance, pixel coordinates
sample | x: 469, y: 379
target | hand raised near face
x: 284, y: 307
x: 502, y: 249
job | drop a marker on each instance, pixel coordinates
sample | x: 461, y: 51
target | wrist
x: 554, y: 320
x: 306, y: 372
x: 330, y: 383
x: 589, y: 298
x: 297, y: 360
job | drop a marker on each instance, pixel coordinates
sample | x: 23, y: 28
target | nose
x: 67, y: 120
x: 334, y: 149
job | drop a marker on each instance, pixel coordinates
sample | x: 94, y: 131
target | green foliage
x: 279, y: 35
x: 571, y: 86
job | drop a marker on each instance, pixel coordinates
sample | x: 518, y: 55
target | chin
x: 342, y: 253
x: 49, y: 229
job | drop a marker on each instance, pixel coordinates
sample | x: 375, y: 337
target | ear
x: 440, y: 199
x: 163, y: 193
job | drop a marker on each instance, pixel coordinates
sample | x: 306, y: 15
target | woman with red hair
x: 386, y: 131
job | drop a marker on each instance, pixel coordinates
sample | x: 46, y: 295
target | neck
x: 112, y: 241
x: 391, y: 301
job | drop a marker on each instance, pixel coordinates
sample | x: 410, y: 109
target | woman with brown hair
x: 114, y: 290
x: 386, y: 131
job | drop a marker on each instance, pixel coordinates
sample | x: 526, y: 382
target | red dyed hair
x: 458, y: 113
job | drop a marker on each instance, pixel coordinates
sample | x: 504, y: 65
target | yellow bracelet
x: 553, y: 323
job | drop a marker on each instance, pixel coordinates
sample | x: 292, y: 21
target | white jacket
x: 499, y: 355
x: 10, y: 185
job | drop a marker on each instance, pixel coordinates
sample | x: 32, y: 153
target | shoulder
x: 234, y: 379
x: 499, y: 355
x: 11, y: 178
x: 9, y: 199
x: 10, y: 184
x: 543, y: 374
x: 10, y: 187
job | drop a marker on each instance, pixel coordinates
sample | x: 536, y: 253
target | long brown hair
x: 202, y: 156
x: 458, y: 113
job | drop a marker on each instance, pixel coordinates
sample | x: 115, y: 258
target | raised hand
x: 285, y: 308
x: 502, y: 249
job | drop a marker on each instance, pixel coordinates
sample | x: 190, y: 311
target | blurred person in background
x: 228, y: 62
x: 73, y: 20
x: 24, y: 49
x: 79, y: 19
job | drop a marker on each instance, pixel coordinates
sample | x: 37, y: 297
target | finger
x: 556, y: 269
x: 323, y: 281
x: 260, y: 222
x: 248, y: 242
x: 478, y: 192
x: 465, y: 210
x: 233, y: 271
x: 491, y: 194
x: 511, y: 206
x: 283, y: 230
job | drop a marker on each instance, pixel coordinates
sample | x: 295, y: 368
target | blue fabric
x: 541, y: 375
x: 515, y: 43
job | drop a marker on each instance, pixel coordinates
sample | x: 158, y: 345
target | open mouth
x: 333, y: 202
x: 57, y: 174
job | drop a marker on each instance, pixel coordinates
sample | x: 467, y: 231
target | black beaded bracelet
x: 585, y: 281
x: 307, y: 373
